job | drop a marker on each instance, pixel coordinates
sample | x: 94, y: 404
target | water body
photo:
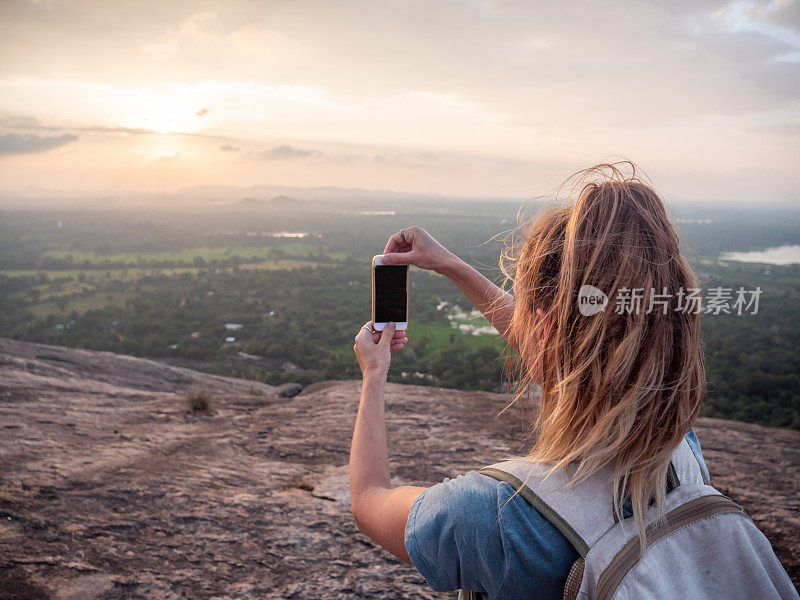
x: 787, y: 254
x: 289, y: 234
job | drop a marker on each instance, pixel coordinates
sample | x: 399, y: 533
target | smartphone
x: 390, y: 294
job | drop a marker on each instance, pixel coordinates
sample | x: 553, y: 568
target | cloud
x: 745, y: 15
x: 161, y: 49
x: 760, y: 40
x: 286, y: 153
x: 790, y: 129
x: 415, y: 159
x: 165, y: 159
x: 28, y: 123
x: 171, y: 42
x: 680, y: 85
x: 16, y: 143
x: 19, y: 122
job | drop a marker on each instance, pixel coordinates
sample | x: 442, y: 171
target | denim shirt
x: 456, y: 541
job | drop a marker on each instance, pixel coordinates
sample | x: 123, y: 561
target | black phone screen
x: 391, y: 296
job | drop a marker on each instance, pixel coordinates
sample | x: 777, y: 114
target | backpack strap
x: 684, y: 514
x: 687, y: 465
x: 547, y: 512
x: 580, y: 511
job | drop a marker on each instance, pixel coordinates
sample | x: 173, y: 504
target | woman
x: 620, y: 388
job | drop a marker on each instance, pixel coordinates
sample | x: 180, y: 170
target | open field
x: 134, y: 273
x: 250, y: 254
x: 165, y: 284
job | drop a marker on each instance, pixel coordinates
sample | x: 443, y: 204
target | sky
x: 469, y: 98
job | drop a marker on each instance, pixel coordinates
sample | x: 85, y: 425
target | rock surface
x: 109, y: 488
x: 290, y: 390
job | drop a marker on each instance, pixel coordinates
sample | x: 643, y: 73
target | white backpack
x: 705, y: 547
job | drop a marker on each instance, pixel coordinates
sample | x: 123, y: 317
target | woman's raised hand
x: 373, y: 348
x: 419, y: 249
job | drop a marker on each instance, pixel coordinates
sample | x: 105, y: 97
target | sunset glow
x: 478, y: 98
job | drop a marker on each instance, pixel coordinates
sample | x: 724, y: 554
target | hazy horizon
x: 480, y: 99
x: 221, y: 195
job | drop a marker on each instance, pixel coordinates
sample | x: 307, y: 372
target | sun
x: 161, y: 122
x: 164, y: 114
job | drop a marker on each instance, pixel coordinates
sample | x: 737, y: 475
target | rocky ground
x: 109, y: 488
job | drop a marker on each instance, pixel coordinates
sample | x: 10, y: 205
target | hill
x: 110, y: 489
x: 252, y: 202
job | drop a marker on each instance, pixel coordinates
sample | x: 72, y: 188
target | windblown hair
x: 621, y: 388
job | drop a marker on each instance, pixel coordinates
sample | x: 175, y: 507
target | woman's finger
x: 399, y: 333
x: 396, y: 244
x: 366, y: 330
x: 401, y: 342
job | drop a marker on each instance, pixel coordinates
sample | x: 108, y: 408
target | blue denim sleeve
x: 453, y: 536
x: 694, y: 444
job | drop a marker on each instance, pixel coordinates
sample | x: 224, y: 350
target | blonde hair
x: 618, y: 389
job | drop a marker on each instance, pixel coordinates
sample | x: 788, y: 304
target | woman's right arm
x: 497, y: 305
x: 421, y: 250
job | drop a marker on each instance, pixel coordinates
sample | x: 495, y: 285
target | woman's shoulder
x: 464, y: 489
x: 456, y: 507
x: 694, y: 444
x: 473, y: 532
x: 452, y: 533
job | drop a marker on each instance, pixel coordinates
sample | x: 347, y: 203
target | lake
x: 780, y: 255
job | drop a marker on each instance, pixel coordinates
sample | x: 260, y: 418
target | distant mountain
x: 326, y: 193
x: 281, y: 201
x: 215, y: 196
x: 250, y: 201
x: 285, y: 200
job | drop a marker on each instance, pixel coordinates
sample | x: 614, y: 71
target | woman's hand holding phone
x: 414, y: 246
x: 374, y: 348
x: 419, y: 249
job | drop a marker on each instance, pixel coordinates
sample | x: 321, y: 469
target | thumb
x: 386, y: 334
x: 399, y: 258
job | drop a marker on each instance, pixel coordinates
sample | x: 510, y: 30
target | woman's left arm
x: 380, y: 511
